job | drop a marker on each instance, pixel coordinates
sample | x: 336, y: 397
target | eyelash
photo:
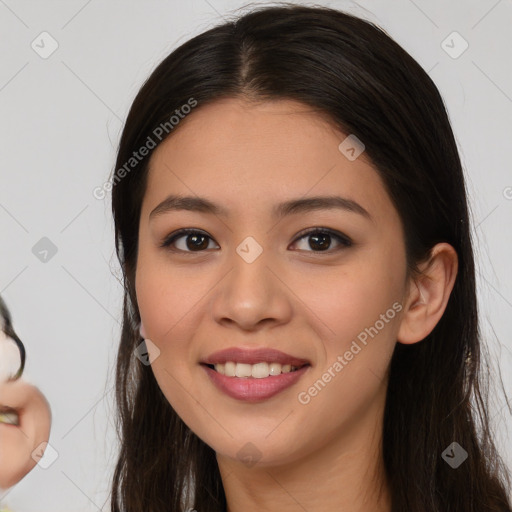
x: 342, y: 239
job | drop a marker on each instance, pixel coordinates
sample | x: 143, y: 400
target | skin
x: 247, y: 157
x: 17, y: 442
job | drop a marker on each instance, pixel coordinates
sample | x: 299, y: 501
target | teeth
x: 243, y: 370
x: 229, y: 369
x: 256, y: 371
x: 274, y: 368
x: 260, y: 370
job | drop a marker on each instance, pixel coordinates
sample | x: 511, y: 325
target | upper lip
x: 253, y: 356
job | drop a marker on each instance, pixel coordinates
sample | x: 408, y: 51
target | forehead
x: 252, y: 155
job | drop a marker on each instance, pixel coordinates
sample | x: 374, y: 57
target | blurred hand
x: 25, y: 421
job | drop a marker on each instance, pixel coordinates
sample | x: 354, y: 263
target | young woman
x: 300, y: 325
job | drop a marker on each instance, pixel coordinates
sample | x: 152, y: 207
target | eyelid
x: 342, y: 239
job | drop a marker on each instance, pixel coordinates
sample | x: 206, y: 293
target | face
x: 321, y: 284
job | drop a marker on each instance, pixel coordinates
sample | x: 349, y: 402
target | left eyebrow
x: 290, y: 207
x: 306, y: 205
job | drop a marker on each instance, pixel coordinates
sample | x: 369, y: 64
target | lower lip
x: 249, y: 389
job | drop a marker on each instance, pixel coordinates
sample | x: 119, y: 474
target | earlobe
x: 429, y: 294
x: 142, y: 330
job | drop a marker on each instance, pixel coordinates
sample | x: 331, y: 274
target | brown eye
x: 320, y: 239
x: 195, y: 241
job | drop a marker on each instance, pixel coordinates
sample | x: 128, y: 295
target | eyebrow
x: 290, y: 207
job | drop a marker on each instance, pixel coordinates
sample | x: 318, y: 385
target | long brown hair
x: 351, y: 71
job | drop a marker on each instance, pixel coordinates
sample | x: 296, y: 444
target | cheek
x: 166, y: 307
x: 169, y: 302
x: 361, y: 309
x: 360, y: 305
x: 163, y: 298
x: 354, y: 298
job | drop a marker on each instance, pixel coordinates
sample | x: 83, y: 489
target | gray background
x: 60, y: 120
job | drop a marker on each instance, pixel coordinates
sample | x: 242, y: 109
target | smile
x: 256, y: 371
x: 253, y: 375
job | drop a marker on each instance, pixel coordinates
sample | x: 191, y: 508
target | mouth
x: 253, y: 375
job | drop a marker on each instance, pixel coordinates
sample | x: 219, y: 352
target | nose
x: 252, y: 295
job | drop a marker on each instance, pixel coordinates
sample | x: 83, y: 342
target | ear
x: 428, y: 294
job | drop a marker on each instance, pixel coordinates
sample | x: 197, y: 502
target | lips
x: 254, y: 356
